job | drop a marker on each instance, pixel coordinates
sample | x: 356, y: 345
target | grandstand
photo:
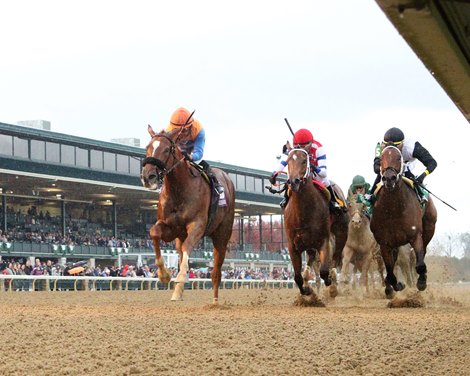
x: 65, y: 197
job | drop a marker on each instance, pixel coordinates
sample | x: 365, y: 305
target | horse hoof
x: 307, y: 291
x: 333, y: 291
x: 399, y: 286
x: 176, y: 299
x: 389, y: 293
x: 164, y: 277
x: 421, y: 283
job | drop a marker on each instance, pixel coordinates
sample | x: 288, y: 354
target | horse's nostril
x: 297, y: 181
x: 152, y: 177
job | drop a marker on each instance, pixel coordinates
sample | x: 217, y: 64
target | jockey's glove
x: 419, y: 180
x: 187, y: 156
x: 272, y: 179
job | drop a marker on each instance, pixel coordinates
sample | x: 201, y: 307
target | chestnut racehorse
x: 183, y: 207
x: 307, y: 222
x: 398, y: 219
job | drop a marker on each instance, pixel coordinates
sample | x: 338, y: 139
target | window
x: 6, y: 145
x: 52, y: 152
x: 38, y: 150
x: 250, y: 183
x: 135, y: 164
x: 81, y: 157
x: 259, y: 185
x: 240, y: 182
x: 122, y: 162
x: 67, y: 154
x: 20, y: 147
x: 96, y: 159
x: 109, y: 161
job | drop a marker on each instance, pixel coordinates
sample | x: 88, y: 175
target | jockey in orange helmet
x: 194, y: 148
x: 303, y: 138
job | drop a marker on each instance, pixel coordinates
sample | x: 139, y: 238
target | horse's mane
x: 177, y: 135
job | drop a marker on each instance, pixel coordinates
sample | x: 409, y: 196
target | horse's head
x: 161, y: 156
x: 298, y: 167
x: 356, y: 208
x: 391, y: 166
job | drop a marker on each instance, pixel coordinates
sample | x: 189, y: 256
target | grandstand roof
x: 35, y: 179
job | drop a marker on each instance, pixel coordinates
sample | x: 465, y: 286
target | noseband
x: 161, y: 166
x: 307, y: 170
x: 391, y: 168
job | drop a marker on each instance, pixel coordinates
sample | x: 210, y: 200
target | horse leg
x: 365, y: 272
x: 182, y: 276
x: 325, y: 263
x: 347, y: 255
x: 316, y: 269
x: 220, y: 248
x: 155, y: 234
x: 296, y: 259
x: 391, y: 282
x: 380, y: 264
x: 306, y: 273
x: 421, y: 268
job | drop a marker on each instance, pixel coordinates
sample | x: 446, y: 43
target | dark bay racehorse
x: 306, y: 221
x: 183, y: 208
x: 398, y: 219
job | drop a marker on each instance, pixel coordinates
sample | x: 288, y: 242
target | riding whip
x: 287, y: 122
x: 441, y: 200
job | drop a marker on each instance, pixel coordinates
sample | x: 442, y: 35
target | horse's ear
x: 151, y: 131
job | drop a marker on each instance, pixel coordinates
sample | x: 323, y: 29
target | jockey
x: 303, y: 138
x: 193, y: 149
x: 411, y: 151
x: 359, y: 186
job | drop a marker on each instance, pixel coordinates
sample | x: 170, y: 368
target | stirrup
x: 219, y: 188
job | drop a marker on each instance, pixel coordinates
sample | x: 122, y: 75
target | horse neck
x: 398, y: 196
x: 307, y: 197
x: 177, y: 181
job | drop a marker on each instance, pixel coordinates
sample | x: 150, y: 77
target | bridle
x: 307, y: 170
x: 160, y: 166
x: 391, y: 168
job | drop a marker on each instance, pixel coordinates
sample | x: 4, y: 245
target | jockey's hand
x: 419, y: 180
x: 187, y: 156
x: 272, y: 179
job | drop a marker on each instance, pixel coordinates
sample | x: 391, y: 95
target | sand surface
x: 251, y: 332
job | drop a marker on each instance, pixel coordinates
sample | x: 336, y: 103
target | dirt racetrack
x: 252, y: 332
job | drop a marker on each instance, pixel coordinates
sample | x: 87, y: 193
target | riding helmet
x: 302, y: 136
x: 181, y: 117
x: 394, y: 135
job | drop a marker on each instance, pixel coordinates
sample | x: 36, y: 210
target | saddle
x: 421, y: 194
x: 215, y: 199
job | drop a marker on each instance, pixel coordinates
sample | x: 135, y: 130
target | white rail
x: 81, y: 283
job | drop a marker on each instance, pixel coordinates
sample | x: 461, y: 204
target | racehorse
x: 183, y: 208
x: 361, y: 247
x: 306, y: 222
x: 398, y: 219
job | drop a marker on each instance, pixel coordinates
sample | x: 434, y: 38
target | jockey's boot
x: 207, y: 169
x: 370, y: 198
x: 334, y: 205
x: 283, y: 203
x: 421, y: 195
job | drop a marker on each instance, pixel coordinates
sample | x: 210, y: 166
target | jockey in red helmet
x: 303, y: 138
